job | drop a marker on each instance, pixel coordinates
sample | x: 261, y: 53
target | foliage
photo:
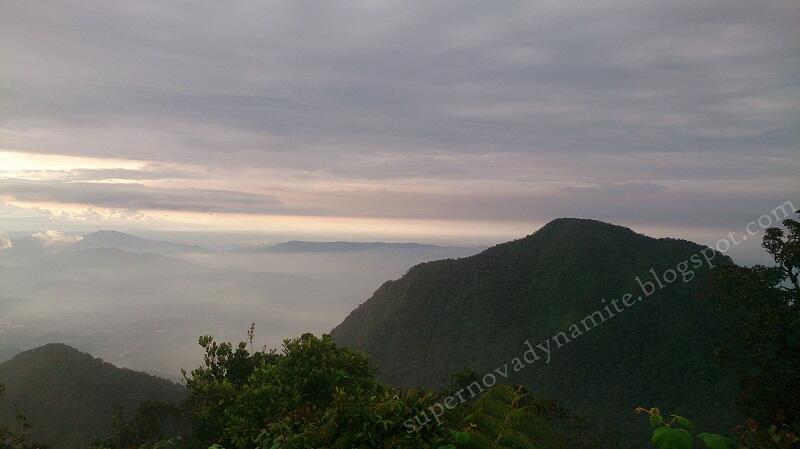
x: 508, y: 417
x: 775, y: 435
x: 315, y: 395
x: 678, y: 432
x: 764, y: 347
x: 309, y: 395
x: 150, y: 424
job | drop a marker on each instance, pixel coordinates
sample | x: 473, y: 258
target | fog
x: 143, y: 304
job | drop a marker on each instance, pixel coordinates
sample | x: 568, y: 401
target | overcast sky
x: 406, y: 119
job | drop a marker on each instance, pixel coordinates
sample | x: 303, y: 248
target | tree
x: 310, y: 395
x: 313, y: 394
x: 765, y: 346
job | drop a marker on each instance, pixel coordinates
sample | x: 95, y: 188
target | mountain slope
x: 68, y: 396
x: 477, y: 312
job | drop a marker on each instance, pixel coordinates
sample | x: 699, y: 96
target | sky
x: 406, y: 120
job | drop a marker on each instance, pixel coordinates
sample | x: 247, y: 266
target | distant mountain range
x: 128, y: 242
x: 478, y: 312
x: 32, y: 246
x: 299, y: 246
x: 142, y: 303
x: 69, y: 396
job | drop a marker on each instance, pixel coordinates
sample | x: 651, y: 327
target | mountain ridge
x: 477, y: 311
x: 303, y: 246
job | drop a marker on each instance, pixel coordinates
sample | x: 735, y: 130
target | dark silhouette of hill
x: 476, y: 312
x: 69, y: 396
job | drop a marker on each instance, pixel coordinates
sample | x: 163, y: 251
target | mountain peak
x: 115, y: 239
x: 422, y: 327
x: 49, y: 353
x: 110, y: 235
x: 108, y: 232
x: 583, y: 225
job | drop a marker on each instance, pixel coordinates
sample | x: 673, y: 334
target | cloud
x: 150, y: 173
x: 223, y: 82
x: 55, y: 238
x: 136, y: 197
x: 500, y: 110
x: 5, y: 242
x: 622, y: 188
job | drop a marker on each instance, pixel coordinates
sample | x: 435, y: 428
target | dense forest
x: 476, y: 313
x: 722, y: 362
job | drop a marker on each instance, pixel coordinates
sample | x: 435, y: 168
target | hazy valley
x: 142, y: 304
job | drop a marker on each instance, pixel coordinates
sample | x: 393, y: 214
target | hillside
x: 477, y: 312
x: 69, y: 396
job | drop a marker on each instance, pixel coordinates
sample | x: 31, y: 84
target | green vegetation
x: 678, y: 432
x: 315, y: 395
x: 476, y: 313
x: 507, y: 417
x: 764, y: 347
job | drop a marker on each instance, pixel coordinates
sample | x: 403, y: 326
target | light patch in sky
x: 17, y: 163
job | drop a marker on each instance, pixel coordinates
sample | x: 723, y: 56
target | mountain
x: 120, y: 240
x: 68, y: 396
x: 478, y: 312
x: 299, y: 246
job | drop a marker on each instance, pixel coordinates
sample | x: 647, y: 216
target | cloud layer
x: 502, y: 111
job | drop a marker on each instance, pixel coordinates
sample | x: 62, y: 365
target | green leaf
x: 461, y: 437
x: 714, y: 441
x: 669, y: 438
x: 685, y: 423
x: 656, y: 421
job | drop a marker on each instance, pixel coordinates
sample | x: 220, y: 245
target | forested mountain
x: 477, y: 312
x: 69, y: 397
